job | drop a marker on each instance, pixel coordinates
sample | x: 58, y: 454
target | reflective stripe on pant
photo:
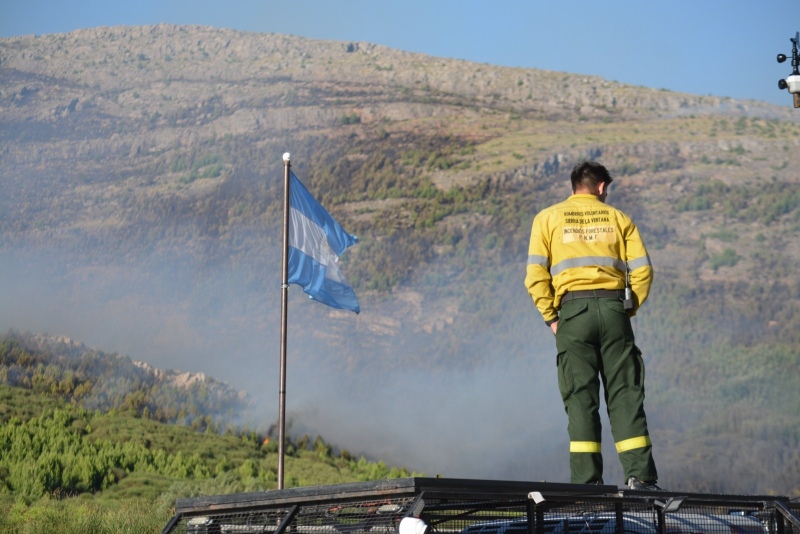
x: 595, y: 342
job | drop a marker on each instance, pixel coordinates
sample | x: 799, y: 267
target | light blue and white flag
x: 315, y: 243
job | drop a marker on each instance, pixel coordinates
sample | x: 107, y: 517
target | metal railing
x: 455, y: 506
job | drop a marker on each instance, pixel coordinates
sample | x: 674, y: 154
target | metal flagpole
x: 284, y: 314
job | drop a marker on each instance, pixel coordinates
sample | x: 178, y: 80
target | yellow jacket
x: 583, y: 243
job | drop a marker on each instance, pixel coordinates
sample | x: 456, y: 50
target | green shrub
x: 726, y: 258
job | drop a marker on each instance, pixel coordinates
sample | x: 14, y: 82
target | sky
x: 704, y: 47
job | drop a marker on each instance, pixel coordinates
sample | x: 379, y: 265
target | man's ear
x: 601, y: 188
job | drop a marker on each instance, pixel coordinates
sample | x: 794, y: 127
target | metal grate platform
x: 455, y: 506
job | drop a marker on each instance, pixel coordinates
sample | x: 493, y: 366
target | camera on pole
x: 792, y: 82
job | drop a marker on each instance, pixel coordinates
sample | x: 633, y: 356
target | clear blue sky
x: 719, y: 47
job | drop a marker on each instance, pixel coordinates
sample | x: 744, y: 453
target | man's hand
x: 554, y: 327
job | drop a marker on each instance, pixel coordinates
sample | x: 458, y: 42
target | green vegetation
x: 205, y: 166
x: 762, y: 202
x: 57, y: 515
x: 727, y: 258
x: 108, y: 382
x: 350, y: 118
x: 68, y: 450
x: 719, y: 383
x: 63, y: 467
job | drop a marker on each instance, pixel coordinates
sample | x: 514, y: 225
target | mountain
x: 68, y: 370
x: 140, y: 211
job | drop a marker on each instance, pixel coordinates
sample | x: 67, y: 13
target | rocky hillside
x: 140, y: 207
x: 68, y: 370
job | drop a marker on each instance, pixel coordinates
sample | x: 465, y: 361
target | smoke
x: 493, y: 422
x: 148, y: 311
x: 501, y: 419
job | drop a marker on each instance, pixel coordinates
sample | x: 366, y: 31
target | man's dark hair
x: 587, y: 174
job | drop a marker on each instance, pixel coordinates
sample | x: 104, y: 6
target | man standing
x: 583, y: 255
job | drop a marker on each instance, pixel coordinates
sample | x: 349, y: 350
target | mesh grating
x: 470, y: 517
x: 354, y: 517
x: 358, y: 517
x: 475, y: 517
x: 645, y: 518
x: 463, y: 507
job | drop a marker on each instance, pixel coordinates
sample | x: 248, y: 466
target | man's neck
x: 595, y: 194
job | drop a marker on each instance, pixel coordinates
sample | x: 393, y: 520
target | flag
x: 315, y: 243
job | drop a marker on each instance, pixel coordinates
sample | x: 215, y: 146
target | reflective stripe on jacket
x: 583, y: 243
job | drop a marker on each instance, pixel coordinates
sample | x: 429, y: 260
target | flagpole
x: 284, y: 322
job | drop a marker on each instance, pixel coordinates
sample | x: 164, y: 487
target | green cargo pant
x: 595, y: 338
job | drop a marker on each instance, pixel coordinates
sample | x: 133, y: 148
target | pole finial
x: 285, y: 156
